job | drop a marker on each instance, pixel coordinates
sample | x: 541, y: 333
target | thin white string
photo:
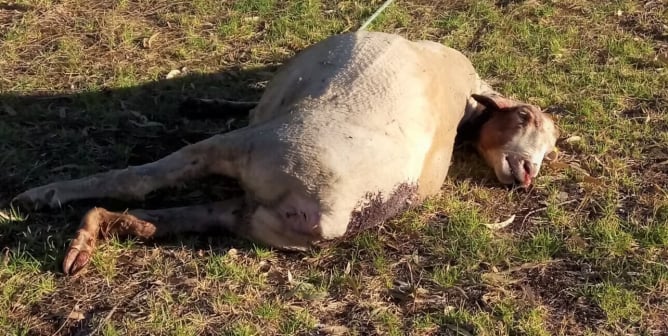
x: 375, y: 14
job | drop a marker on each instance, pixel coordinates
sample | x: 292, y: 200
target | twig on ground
x: 457, y: 329
x: 544, y: 208
x: 74, y: 308
x: 105, y: 320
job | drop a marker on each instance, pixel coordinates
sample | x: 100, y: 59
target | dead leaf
x: 552, y: 155
x: 333, y: 330
x: 590, y: 183
x: 495, y: 279
x: 572, y: 139
x: 290, y: 278
x: 173, y: 74
x: 501, y: 225
x: 559, y: 165
x: 76, y: 315
x: 592, y: 180
x: 232, y: 253
x: 5, y: 256
x: 148, y: 42
x: 264, y: 266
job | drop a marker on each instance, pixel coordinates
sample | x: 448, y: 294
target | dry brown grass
x: 83, y: 90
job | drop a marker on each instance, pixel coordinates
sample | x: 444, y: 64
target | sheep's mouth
x: 521, y: 173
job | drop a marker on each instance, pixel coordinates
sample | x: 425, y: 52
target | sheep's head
x: 515, y: 139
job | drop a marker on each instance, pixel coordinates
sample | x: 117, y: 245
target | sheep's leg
x: 99, y: 223
x: 220, y: 154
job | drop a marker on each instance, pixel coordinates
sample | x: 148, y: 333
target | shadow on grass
x: 50, y: 137
x: 107, y: 128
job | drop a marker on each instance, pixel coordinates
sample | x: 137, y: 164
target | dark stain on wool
x: 377, y: 209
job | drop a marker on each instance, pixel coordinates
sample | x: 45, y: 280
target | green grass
x: 619, y: 304
x: 586, y: 254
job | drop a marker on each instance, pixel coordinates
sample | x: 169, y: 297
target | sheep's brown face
x: 516, y: 139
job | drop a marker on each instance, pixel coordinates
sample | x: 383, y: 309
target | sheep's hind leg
x: 220, y: 154
x: 100, y: 223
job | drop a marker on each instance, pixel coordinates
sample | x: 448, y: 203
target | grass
x: 83, y: 90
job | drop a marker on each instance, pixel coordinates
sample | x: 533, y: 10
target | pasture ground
x: 83, y: 89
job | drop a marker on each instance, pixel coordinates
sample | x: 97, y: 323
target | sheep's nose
x: 527, y: 174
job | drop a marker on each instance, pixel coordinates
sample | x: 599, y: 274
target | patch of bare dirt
x: 648, y: 111
x: 555, y: 285
x: 10, y: 14
x: 648, y: 23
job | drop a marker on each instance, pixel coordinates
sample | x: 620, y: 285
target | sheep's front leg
x: 219, y: 154
x: 99, y: 223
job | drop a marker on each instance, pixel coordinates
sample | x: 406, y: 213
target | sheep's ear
x: 494, y: 102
